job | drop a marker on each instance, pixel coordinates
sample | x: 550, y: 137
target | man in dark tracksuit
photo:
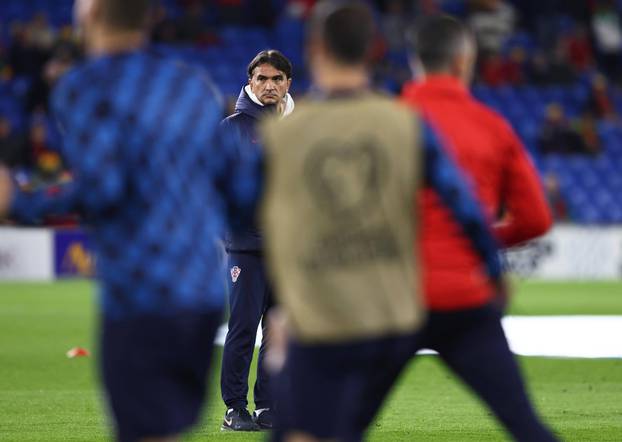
x: 250, y: 296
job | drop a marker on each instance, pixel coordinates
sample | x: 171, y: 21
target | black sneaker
x: 264, y: 418
x: 238, y: 419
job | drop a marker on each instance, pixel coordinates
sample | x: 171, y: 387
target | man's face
x: 269, y: 84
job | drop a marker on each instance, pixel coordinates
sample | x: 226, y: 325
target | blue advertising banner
x: 73, y: 254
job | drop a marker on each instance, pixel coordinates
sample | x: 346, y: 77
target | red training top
x: 488, y: 151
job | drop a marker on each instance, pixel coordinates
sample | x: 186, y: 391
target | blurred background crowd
x: 552, y: 67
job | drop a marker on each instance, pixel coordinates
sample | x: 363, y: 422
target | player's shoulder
x: 372, y: 103
x: 370, y: 112
x: 234, y: 123
x: 236, y: 119
x: 169, y: 78
x: 388, y: 114
x: 193, y: 75
x: 79, y: 80
x: 77, y: 77
x: 151, y: 68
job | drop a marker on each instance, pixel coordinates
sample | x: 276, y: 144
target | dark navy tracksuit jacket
x: 250, y: 295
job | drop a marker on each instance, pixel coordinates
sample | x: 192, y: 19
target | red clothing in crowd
x: 493, y: 71
x: 487, y: 150
x: 498, y: 72
x: 580, y: 52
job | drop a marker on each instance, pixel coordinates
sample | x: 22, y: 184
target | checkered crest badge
x: 235, y: 273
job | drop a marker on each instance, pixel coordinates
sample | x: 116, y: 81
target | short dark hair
x: 347, y: 29
x: 132, y: 15
x: 436, y: 39
x: 274, y: 58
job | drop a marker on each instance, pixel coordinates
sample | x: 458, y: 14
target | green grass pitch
x: 45, y: 396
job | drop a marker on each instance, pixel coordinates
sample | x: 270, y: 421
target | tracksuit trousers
x: 250, y: 298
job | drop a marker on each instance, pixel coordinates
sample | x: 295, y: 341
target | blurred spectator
x: 25, y: 59
x: 557, y: 136
x: 493, y: 22
x: 539, y: 69
x: 47, y: 163
x: 515, y: 66
x: 556, y: 66
x: 497, y: 71
x: 579, y: 49
x: 42, y: 35
x: 67, y: 41
x: 556, y: 200
x: 493, y: 70
x: 261, y: 13
x: 540, y: 16
x: 12, y: 145
x: 164, y: 29
x: 5, y: 67
x: 608, y: 36
x: 589, y: 133
x: 192, y: 24
x: 429, y: 7
x: 61, y: 61
x: 300, y: 9
x: 229, y: 107
x: 600, y: 104
x: 560, y: 71
x: 394, y: 22
x: 231, y: 12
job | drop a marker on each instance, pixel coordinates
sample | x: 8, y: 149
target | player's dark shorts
x: 155, y: 370
x: 472, y: 343
x: 319, y: 385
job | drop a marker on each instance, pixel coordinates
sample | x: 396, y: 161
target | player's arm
x: 442, y: 175
x: 527, y: 212
x: 92, y: 133
x: 240, y: 175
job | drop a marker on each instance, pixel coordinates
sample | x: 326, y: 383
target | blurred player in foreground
x: 151, y: 179
x: 339, y: 215
x: 464, y: 323
x: 250, y: 294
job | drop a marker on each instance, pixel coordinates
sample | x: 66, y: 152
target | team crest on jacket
x: 235, y: 273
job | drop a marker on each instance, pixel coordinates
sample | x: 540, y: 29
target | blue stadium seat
x: 579, y: 93
x: 457, y: 8
x: 519, y: 39
x: 484, y: 94
x: 551, y: 163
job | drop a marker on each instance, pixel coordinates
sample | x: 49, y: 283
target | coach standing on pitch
x: 464, y: 324
x: 250, y: 295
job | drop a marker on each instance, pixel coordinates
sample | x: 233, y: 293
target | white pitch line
x: 553, y: 336
x: 565, y: 336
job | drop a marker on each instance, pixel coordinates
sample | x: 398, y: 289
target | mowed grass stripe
x: 566, y: 298
x: 45, y: 396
